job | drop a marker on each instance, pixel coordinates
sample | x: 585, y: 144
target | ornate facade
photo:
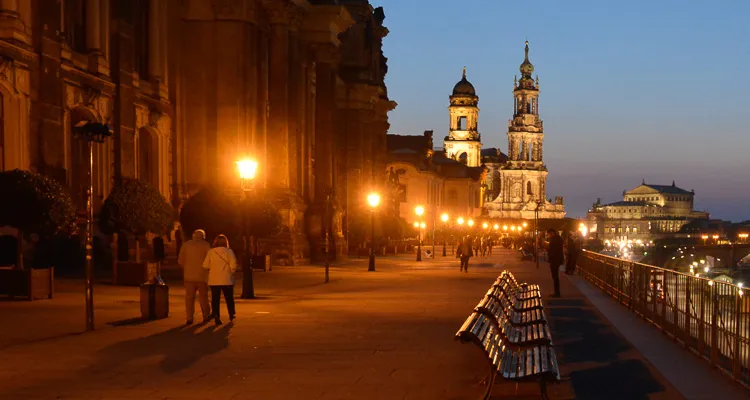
x: 514, y: 186
x: 190, y: 86
x: 646, y: 213
x: 464, y: 143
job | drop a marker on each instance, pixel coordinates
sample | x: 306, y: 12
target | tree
x: 34, y: 203
x: 262, y: 218
x: 136, y: 208
x: 213, y: 211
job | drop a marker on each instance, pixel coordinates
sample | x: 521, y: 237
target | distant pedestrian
x: 221, y: 265
x: 464, y: 253
x: 192, y: 254
x: 555, y: 256
x: 490, y: 243
x: 571, y: 257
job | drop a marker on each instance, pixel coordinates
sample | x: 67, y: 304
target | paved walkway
x: 382, y: 335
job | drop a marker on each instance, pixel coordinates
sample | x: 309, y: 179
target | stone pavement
x: 382, y: 335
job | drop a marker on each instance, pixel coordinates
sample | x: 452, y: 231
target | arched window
x: 528, y: 189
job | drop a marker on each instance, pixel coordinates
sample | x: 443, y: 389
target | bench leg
x: 490, y: 384
x: 543, y: 388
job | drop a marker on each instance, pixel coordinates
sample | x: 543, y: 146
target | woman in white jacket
x: 221, y: 264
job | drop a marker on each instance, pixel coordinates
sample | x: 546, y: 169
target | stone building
x: 646, y: 213
x: 190, y: 86
x: 514, y: 186
x: 428, y: 178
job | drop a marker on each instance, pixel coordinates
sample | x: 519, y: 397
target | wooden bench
x: 516, y: 342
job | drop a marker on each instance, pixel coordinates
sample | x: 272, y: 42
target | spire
x: 527, y: 51
x: 527, y: 68
x: 643, y: 181
x: 464, y: 74
x: 673, y: 185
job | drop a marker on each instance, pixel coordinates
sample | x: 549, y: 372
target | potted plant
x: 41, y: 210
x: 263, y: 221
x: 134, y: 208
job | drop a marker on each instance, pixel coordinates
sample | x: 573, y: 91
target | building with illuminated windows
x: 646, y: 213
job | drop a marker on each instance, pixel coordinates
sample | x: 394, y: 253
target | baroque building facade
x: 428, y: 178
x: 646, y: 213
x: 514, y: 186
x: 189, y: 87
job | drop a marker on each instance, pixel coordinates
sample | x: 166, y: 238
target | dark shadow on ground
x: 129, y: 321
x: 583, y: 337
x: 626, y: 380
x: 180, y: 347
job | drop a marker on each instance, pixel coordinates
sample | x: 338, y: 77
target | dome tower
x: 463, y: 141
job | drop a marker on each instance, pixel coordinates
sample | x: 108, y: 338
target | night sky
x: 630, y: 90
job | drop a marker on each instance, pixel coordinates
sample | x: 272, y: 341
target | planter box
x: 261, y: 263
x: 130, y: 273
x: 154, y: 301
x: 31, y: 284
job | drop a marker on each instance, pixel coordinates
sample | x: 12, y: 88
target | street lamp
x: 373, y: 199
x: 247, y: 169
x: 705, y: 238
x: 444, y: 218
x: 419, y: 210
x: 743, y: 237
x: 485, y: 225
x: 90, y: 132
x: 470, y: 223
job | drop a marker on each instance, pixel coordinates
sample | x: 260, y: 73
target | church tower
x: 463, y: 141
x: 523, y: 178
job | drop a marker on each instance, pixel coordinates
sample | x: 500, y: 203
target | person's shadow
x: 180, y: 346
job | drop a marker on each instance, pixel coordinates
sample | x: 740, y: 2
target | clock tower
x: 463, y: 142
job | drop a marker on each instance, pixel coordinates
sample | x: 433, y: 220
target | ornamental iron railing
x: 710, y: 318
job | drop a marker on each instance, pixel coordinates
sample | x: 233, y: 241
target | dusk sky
x: 630, y: 90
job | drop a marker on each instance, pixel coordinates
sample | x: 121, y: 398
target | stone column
x: 93, y: 26
x: 278, y: 96
x: 325, y: 107
x: 296, y: 107
x: 154, y: 41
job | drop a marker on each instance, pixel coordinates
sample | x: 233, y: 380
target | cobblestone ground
x: 382, y: 335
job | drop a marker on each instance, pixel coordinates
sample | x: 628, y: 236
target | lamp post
x: 419, y: 210
x: 444, y: 218
x: 743, y: 237
x: 373, y: 199
x: 705, y: 239
x: 460, y: 222
x: 536, y: 232
x: 247, y: 169
x: 90, y: 132
x: 327, y: 236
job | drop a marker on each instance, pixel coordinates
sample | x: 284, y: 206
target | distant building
x: 430, y: 179
x: 646, y: 213
x: 515, y: 185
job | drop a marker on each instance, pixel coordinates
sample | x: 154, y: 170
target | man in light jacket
x: 191, y: 257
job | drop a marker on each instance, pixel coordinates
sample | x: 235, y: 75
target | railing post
x: 702, y: 323
x: 737, y: 353
x: 675, y: 306
x: 688, y: 323
x: 714, y: 325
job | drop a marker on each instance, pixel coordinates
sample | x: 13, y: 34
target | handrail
x: 710, y: 318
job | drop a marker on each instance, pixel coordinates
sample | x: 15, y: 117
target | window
x: 140, y: 31
x: 75, y: 24
x: 461, y: 123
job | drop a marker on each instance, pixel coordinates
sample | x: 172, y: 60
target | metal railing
x: 710, y: 318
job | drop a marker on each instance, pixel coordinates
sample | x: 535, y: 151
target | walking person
x: 221, y: 265
x: 191, y: 257
x: 464, y: 253
x: 571, y: 259
x: 490, y: 243
x: 555, y: 257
